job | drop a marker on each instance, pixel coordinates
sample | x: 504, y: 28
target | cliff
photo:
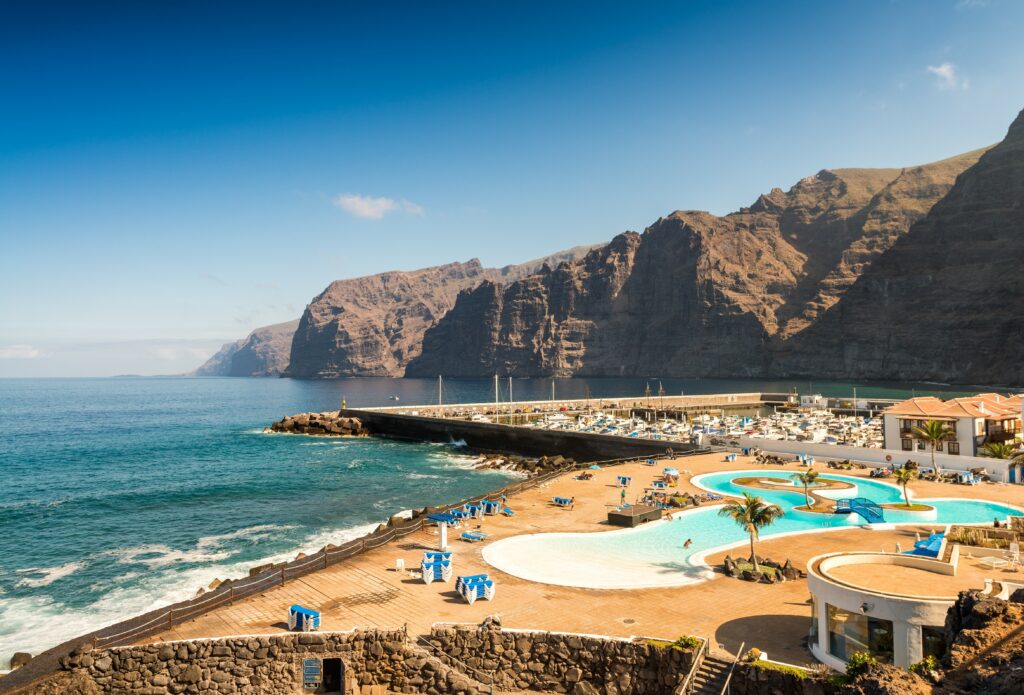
x: 695, y: 294
x: 264, y: 352
x: 944, y: 302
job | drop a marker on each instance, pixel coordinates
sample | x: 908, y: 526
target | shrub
x: 753, y: 655
x: 798, y: 673
x: 858, y: 663
x: 925, y: 665
x: 687, y: 642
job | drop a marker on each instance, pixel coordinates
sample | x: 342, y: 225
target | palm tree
x: 998, y: 450
x: 806, y: 479
x: 903, y: 477
x: 934, y: 432
x: 753, y: 513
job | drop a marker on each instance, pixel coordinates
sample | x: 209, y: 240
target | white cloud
x: 947, y: 76
x: 371, y: 208
x: 19, y: 352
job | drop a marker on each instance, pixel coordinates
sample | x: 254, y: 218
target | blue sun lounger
x: 303, y: 619
x: 437, y: 555
x: 475, y: 587
x: 659, y: 484
x: 564, y: 502
x: 729, y: 458
x: 436, y: 571
x: 469, y: 578
x: 473, y: 536
x: 491, y: 506
x: 623, y: 480
x: 507, y: 511
x: 475, y: 510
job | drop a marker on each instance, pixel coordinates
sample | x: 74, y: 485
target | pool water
x: 653, y: 555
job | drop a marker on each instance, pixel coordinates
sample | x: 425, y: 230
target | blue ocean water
x: 120, y: 495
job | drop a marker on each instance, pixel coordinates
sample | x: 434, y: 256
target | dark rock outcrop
x: 327, y: 424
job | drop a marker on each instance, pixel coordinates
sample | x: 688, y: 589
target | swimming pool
x: 653, y: 556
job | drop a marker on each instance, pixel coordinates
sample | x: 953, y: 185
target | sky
x: 174, y: 174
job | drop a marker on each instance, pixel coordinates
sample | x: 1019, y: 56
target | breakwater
x: 509, y: 439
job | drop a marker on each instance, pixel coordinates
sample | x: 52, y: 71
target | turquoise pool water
x: 653, y: 555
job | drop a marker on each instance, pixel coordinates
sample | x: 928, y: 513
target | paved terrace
x: 367, y: 591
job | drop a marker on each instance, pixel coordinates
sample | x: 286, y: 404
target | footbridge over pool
x: 869, y: 510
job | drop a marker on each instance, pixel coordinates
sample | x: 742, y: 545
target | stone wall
x: 375, y: 661
x: 560, y: 662
x: 458, y: 661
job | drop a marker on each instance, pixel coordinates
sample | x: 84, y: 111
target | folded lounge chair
x: 436, y: 571
x: 473, y: 588
x: 563, y: 502
x: 469, y: 578
x: 623, y: 480
x: 303, y: 619
x: 473, y: 536
x: 436, y: 555
x: 490, y: 506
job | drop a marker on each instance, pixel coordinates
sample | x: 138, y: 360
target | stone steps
x: 710, y: 677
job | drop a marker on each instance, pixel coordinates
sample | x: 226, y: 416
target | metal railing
x: 686, y: 686
x: 732, y: 669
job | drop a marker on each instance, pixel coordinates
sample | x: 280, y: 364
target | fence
x: 154, y: 622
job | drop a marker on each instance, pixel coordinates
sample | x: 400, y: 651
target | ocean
x: 121, y: 495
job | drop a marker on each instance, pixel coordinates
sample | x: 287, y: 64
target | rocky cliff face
x: 264, y: 352
x: 368, y: 326
x: 695, y: 294
x: 944, y: 302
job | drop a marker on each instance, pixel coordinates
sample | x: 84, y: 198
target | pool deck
x: 367, y: 591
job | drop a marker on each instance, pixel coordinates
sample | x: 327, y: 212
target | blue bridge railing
x: 869, y: 510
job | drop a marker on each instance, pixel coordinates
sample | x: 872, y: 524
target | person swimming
x: 688, y: 543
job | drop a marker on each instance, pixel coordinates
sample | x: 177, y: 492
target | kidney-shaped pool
x: 652, y: 555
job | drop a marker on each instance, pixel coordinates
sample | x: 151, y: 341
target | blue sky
x: 174, y: 174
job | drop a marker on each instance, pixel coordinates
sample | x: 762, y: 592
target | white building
x: 976, y: 420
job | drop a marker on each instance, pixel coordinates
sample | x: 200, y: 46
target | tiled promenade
x: 367, y: 591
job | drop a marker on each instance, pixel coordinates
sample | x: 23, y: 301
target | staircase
x: 710, y: 677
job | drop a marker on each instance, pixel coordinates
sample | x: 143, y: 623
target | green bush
x: 687, y: 642
x: 753, y: 655
x: 925, y: 665
x: 798, y: 673
x: 858, y: 663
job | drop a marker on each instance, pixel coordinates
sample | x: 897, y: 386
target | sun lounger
x: 436, y: 571
x: 729, y: 458
x: 469, y: 578
x: 303, y: 619
x: 623, y: 480
x: 476, y: 511
x: 436, y: 555
x: 491, y: 507
x: 473, y: 536
x: 475, y: 588
x: 508, y: 512
x: 563, y: 502
x: 659, y: 484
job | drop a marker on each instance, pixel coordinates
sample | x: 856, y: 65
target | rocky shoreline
x: 329, y: 424
x: 333, y: 424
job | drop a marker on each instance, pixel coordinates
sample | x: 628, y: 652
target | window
x: 908, y: 444
x: 920, y: 445
x: 850, y: 632
x: 938, y: 445
x: 933, y: 641
x: 812, y: 634
x: 953, y: 449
